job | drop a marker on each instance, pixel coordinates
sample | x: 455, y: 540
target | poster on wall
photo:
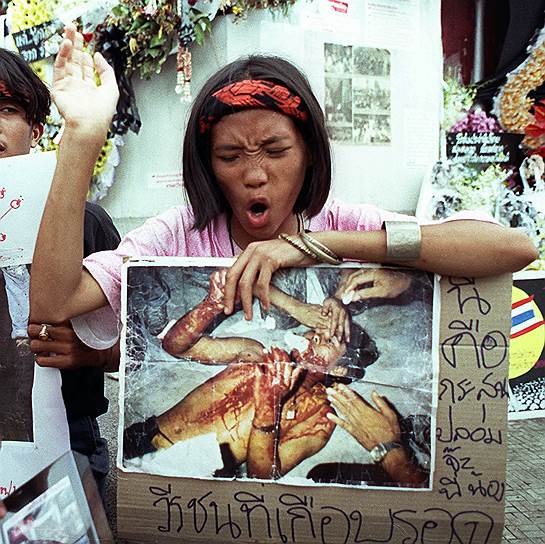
x: 357, y: 94
x: 33, y: 425
x: 280, y: 397
x: 527, y: 347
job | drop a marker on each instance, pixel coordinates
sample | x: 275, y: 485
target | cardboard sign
x: 483, y: 148
x: 465, y: 502
x: 527, y: 349
x: 39, y: 42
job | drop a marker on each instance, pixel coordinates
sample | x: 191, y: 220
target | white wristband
x: 403, y: 240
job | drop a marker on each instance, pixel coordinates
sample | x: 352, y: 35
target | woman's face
x: 259, y: 160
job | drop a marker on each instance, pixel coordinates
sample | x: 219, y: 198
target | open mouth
x: 258, y: 208
x: 257, y: 213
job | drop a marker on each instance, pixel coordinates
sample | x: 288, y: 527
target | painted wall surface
x: 388, y: 174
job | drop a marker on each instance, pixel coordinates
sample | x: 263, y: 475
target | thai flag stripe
x: 527, y: 329
x: 522, y: 301
x: 521, y: 318
x: 339, y: 5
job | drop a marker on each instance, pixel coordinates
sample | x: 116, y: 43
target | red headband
x: 251, y: 93
x: 4, y: 91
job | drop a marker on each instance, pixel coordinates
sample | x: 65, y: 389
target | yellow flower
x: 133, y: 45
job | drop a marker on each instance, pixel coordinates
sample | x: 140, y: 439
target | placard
x: 262, y: 398
x: 483, y: 148
x: 32, y: 414
x: 465, y: 504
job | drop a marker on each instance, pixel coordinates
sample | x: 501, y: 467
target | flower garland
x: 512, y: 104
x: 26, y: 14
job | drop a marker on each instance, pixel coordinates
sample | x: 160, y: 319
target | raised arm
x: 466, y: 248
x: 59, y: 288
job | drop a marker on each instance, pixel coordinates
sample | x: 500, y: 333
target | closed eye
x: 228, y: 158
x: 277, y: 151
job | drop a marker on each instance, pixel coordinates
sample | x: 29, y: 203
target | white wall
x: 386, y: 175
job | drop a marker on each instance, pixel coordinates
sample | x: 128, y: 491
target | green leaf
x: 154, y: 52
x: 157, y: 41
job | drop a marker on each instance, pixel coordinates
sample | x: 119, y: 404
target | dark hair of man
x: 27, y: 88
x: 361, y: 352
x: 204, y: 194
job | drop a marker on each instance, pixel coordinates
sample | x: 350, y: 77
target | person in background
x: 24, y: 105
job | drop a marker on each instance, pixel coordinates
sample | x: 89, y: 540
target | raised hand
x: 80, y: 100
x: 369, y: 425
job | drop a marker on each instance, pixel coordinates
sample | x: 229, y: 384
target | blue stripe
x: 518, y: 319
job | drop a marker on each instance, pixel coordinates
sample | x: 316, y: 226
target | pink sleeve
x: 159, y: 236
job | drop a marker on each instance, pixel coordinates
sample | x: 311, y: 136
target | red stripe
x: 528, y: 329
x: 521, y: 302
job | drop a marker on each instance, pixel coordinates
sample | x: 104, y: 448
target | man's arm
x: 187, y: 337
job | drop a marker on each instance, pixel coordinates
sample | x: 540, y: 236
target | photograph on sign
x: 527, y: 346
x: 333, y: 384
x: 53, y: 516
x: 357, y: 94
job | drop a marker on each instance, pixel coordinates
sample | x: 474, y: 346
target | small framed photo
x: 59, y: 505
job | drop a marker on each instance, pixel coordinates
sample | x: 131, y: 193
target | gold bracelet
x: 296, y: 243
x: 324, y: 253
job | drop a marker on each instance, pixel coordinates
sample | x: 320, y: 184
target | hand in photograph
x: 369, y: 425
x: 274, y: 380
x: 338, y: 319
x: 216, y: 291
x: 367, y: 283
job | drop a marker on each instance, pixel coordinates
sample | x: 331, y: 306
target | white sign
x: 24, y: 185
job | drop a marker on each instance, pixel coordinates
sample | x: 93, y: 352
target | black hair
x: 27, y: 88
x: 361, y: 352
x: 203, y: 192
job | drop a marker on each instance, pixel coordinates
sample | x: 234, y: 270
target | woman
x: 256, y: 167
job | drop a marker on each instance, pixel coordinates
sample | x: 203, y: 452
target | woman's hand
x: 367, y: 283
x: 368, y: 425
x: 79, y: 99
x: 252, y: 272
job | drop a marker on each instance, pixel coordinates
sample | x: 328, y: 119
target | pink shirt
x: 170, y: 234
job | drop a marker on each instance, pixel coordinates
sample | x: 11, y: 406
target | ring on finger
x: 44, y: 333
